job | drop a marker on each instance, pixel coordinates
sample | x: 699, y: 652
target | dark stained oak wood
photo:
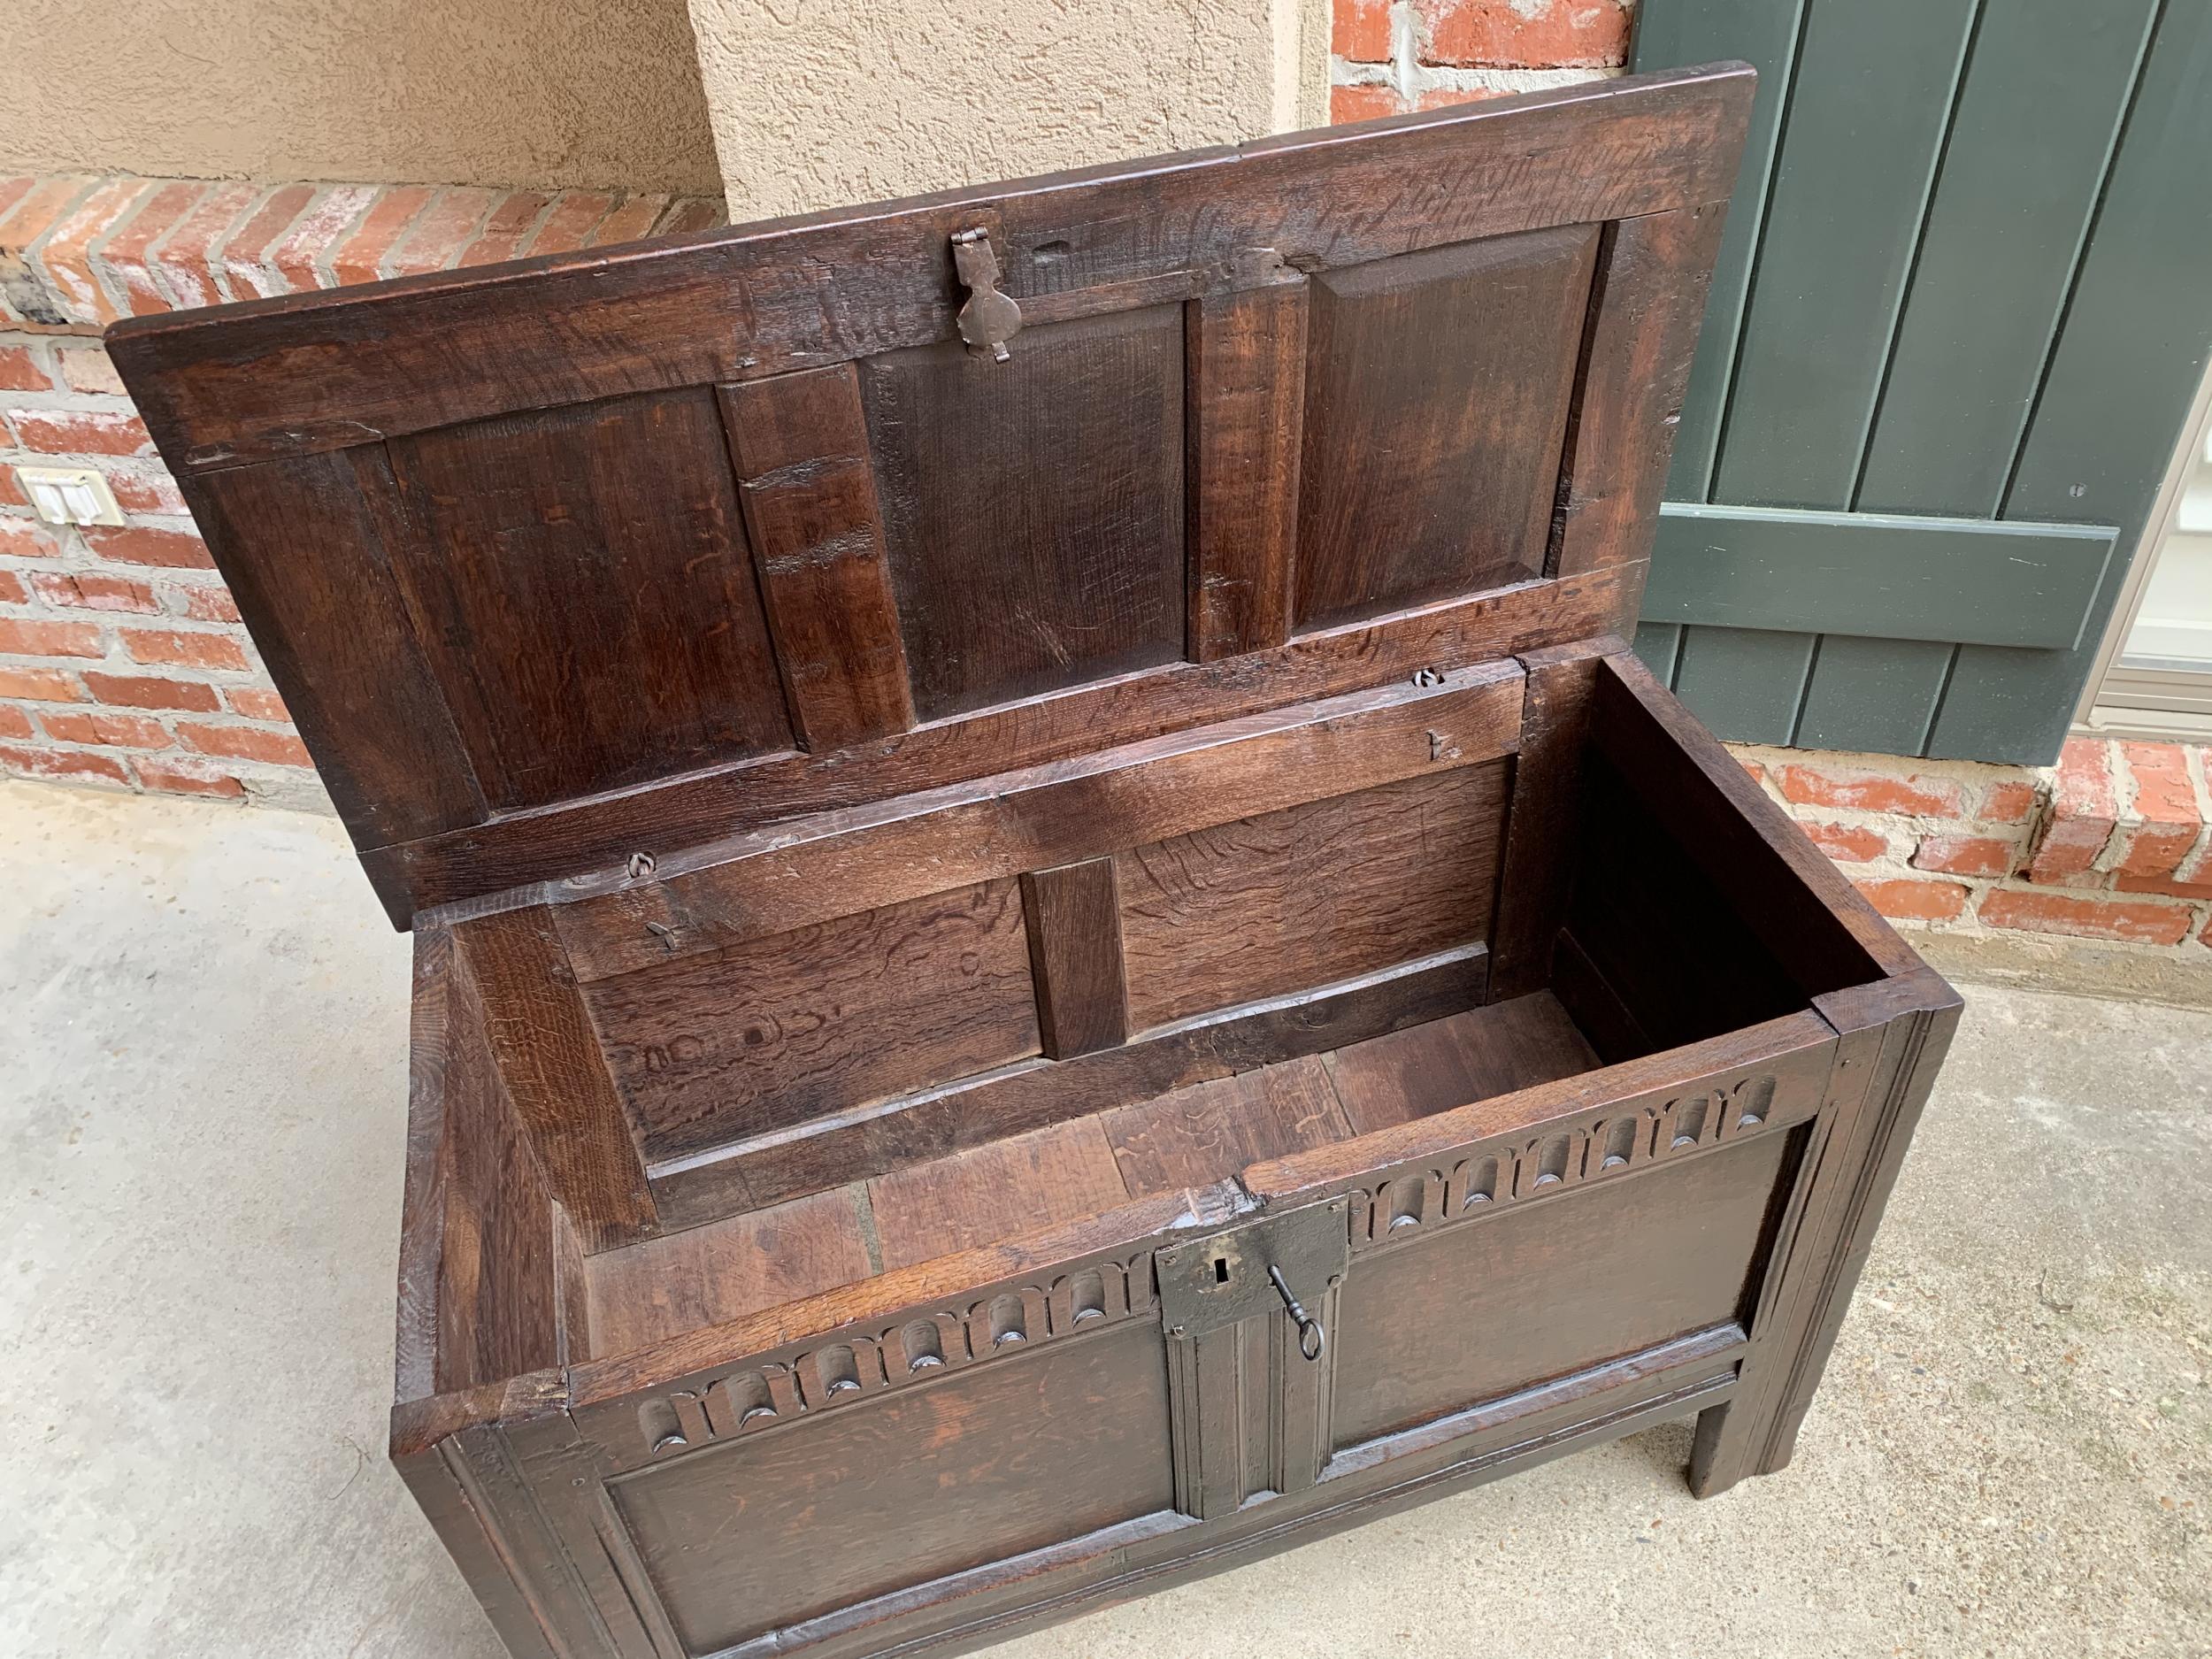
x: 816, y: 869
x: 1052, y: 1251
x: 770, y: 1032
x: 1652, y: 275
x: 1247, y: 383
x: 1000, y: 1191
x: 1073, y: 915
x: 709, y: 1275
x: 497, y: 1304
x: 806, y: 479
x: 560, y: 561
x: 1033, y: 509
x: 1340, y: 887
x: 934, y: 869
x: 430, y: 1038
x: 1540, y: 852
x: 1540, y: 1289
x: 1093, y: 1451
x: 1197, y: 1136
x: 583, y: 846
x: 1632, y: 884
x: 1597, y: 1009
x: 1795, y: 1050
x: 1469, y: 1057
x: 1890, y: 1036
x: 1819, y: 925
x: 1430, y: 472
x: 555, y: 1076
x: 976, y: 1110
x: 337, y: 639
x: 757, y: 300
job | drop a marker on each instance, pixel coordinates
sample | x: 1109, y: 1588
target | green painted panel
x: 1860, y: 143
x: 1656, y: 643
x: 1672, y: 34
x: 1881, y: 575
x: 1744, y: 685
x: 1879, y: 696
x: 2138, y: 331
x: 2034, y: 128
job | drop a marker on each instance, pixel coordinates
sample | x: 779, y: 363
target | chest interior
x: 1067, y: 997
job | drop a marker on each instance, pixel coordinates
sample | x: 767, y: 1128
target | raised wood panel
x: 800, y: 445
x: 1646, y: 303
x: 1294, y: 898
x: 581, y: 586
x: 723, y: 1271
x: 906, y: 1488
x: 1033, y: 509
x: 337, y: 638
x: 1551, y: 1287
x: 1024, y: 1183
x: 780, y: 1030
x: 1431, y: 468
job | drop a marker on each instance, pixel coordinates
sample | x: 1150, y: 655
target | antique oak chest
x: 1055, y: 943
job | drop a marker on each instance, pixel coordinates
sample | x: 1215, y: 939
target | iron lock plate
x: 1223, y: 1279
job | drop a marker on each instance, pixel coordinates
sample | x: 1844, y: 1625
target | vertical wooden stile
x: 1246, y: 363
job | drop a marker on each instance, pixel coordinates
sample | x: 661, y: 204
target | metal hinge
x: 1289, y: 1260
x: 989, y: 318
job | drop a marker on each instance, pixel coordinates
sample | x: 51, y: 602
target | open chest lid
x: 592, y: 558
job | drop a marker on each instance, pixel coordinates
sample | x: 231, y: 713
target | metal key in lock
x: 1311, y: 1338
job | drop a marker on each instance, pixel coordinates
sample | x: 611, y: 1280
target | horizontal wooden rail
x: 1886, y: 576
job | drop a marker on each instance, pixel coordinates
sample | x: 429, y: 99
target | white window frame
x: 2163, y: 702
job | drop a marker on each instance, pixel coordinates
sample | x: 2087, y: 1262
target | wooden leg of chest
x: 1892, y: 1040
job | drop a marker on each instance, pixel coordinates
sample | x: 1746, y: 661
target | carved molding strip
x: 859, y: 1365
x: 1614, y: 1140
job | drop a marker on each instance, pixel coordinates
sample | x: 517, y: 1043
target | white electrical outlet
x: 70, y: 495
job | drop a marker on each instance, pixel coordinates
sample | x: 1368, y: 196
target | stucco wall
x: 817, y: 103
x: 446, y: 91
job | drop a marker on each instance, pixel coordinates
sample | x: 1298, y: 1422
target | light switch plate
x: 70, y: 495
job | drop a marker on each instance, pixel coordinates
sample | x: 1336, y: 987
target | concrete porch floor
x: 201, y: 1091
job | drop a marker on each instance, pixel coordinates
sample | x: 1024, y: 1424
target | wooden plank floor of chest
x: 1055, y: 943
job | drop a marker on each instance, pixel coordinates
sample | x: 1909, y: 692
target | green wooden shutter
x: 1959, y: 315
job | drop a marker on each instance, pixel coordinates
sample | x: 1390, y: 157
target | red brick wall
x: 122, y: 663
x: 2113, y: 844
x: 1386, y: 60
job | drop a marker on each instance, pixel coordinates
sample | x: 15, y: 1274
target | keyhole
x: 1221, y: 1269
